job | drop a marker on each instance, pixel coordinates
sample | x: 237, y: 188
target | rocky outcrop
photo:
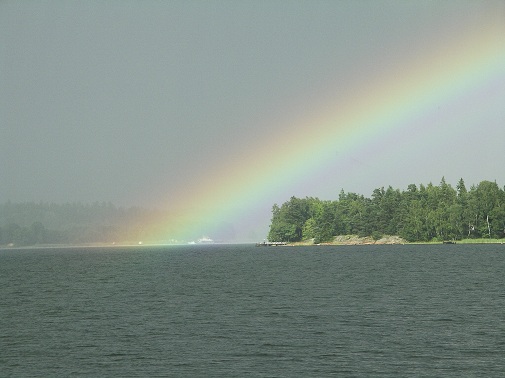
x: 367, y: 240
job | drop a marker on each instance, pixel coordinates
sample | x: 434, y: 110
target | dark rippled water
x: 244, y: 311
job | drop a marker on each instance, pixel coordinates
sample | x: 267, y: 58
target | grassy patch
x: 481, y: 241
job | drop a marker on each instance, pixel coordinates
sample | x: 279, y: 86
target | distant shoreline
x: 86, y: 245
x: 343, y: 240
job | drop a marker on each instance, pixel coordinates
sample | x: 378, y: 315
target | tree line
x: 425, y: 213
x: 31, y: 223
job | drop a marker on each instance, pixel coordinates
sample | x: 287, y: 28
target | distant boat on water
x: 205, y: 240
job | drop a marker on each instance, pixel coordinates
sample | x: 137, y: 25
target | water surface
x: 239, y: 310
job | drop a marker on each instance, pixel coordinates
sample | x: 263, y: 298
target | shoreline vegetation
x: 420, y: 214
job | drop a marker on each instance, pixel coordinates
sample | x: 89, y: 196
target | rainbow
x: 454, y: 67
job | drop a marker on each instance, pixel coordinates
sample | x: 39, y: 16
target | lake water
x: 239, y: 310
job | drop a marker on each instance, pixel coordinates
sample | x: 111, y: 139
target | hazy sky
x: 133, y: 101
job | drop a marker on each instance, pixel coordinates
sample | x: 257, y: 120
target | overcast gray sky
x: 132, y: 101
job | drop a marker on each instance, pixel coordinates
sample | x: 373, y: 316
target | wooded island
x: 418, y: 214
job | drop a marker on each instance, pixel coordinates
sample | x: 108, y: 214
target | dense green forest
x: 73, y: 223
x: 424, y: 213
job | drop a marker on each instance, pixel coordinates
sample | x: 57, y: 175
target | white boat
x: 205, y: 240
